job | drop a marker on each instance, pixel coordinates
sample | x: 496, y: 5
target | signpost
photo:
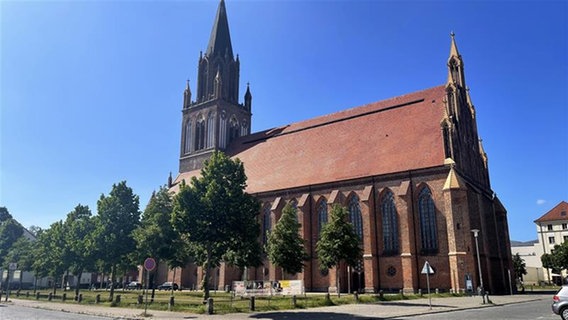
x: 427, y: 270
x: 149, y: 265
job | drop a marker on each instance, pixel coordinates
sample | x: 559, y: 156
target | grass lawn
x: 192, y: 301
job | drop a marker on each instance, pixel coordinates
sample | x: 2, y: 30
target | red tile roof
x: 394, y: 135
x: 556, y: 213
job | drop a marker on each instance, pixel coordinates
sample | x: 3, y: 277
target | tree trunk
x: 35, y: 283
x: 205, y: 282
x: 337, y: 282
x: 78, y: 275
x: 54, y: 285
x: 173, y: 282
x: 112, y: 271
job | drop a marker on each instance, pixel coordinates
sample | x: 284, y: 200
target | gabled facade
x: 411, y: 170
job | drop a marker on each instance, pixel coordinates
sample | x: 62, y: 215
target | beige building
x: 552, y: 229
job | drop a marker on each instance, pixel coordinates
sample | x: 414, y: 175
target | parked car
x: 134, y: 285
x: 560, y: 302
x: 168, y: 286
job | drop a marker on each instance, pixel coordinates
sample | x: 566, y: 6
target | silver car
x: 560, y: 302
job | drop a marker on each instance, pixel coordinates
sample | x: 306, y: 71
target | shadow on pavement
x: 408, y: 304
x: 308, y: 315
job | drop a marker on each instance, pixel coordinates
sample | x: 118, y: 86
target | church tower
x: 215, y: 118
x: 462, y: 145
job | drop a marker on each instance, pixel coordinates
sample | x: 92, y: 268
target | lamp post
x: 475, y: 235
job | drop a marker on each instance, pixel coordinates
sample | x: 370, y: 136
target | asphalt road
x: 533, y: 310
x: 12, y: 312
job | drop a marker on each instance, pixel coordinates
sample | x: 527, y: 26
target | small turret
x: 186, y: 96
x: 248, y: 98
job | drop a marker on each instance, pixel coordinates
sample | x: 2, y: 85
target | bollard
x: 356, y: 296
x: 172, y: 302
x: 381, y: 294
x: 251, y: 303
x: 80, y: 298
x: 294, y: 304
x: 49, y: 296
x: 18, y: 294
x: 64, y: 296
x: 27, y: 294
x: 209, y: 305
x: 140, y: 299
x: 98, y: 298
x: 437, y: 291
x: 420, y: 292
x: 37, y: 295
x: 117, y: 299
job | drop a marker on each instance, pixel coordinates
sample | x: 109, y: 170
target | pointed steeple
x: 248, y: 98
x: 455, y: 65
x: 186, y: 96
x: 453, y: 47
x: 220, y: 40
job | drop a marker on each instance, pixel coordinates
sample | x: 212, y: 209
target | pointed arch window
x: 355, y: 216
x: 447, y: 141
x: 428, y: 227
x: 210, y: 129
x: 267, y: 224
x: 200, y: 134
x: 454, y: 71
x: 322, y: 214
x: 187, y: 137
x: 390, y: 223
x: 233, y: 129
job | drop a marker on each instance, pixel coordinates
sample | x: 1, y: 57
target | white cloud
x: 540, y: 201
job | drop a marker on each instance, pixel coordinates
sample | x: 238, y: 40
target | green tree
x: 519, y: 266
x: 285, y: 247
x: 338, y: 242
x: 10, y: 231
x: 155, y: 236
x: 21, y: 253
x: 80, y: 247
x: 118, y: 216
x: 50, y: 253
x: 210, y: 211
x: 4, y: 214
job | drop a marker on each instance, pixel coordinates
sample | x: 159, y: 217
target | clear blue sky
x: 91, y: 91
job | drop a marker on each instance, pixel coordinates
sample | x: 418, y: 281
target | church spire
x: 220, y: 40
x: 455, y: 65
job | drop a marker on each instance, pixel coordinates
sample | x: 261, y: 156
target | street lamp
x: 476, y: 234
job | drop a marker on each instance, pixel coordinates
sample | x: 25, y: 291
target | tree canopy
x: 210, y: 213
x: 338, y: 242
x: 118, y: 216
x: 285, y: 246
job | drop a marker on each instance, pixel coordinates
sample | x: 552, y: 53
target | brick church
x: 411, y: 170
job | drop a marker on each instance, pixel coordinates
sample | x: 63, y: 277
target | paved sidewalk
x: 382, y: 310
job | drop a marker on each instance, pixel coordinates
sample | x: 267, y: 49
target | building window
x: 390, y: 224
x: 428, y: 228
x: 187, y: 140
x: 355, y: 216
x: 233, y: 129
x: 200, y: 134
x: 551, y: 240
x: 549, y: 227
x: 564, y: 226
x: 565, y: 238
x: 266, y: 224
x: 322, y: 214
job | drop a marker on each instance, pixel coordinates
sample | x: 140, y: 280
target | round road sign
x: 149, y: 264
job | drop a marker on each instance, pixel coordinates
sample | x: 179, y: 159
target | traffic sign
x: 149, y: 264
x: 427, y: 269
